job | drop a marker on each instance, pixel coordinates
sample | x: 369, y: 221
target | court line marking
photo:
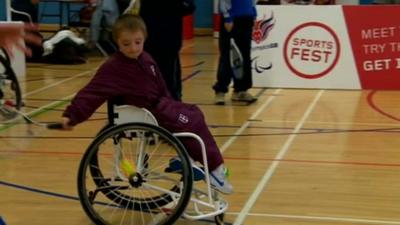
x: 334, y: 123
x: 379, y: 109
x: 321, y: 218
x: 2, y: 128
x: 38, y: 191
x: 290, y: 216
x: 54, y: 104
x: 57, y: 83
x: 270, y: 215
x: 268, y: 174
x: 54, y: 153
x: 247, y: 123
x: 38, y: 111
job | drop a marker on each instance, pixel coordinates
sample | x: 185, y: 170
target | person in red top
x: 133, y: 76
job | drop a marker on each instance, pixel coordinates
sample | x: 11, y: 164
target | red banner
x: 374, y: 33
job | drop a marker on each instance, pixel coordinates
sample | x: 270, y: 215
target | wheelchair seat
x: 120, y: 113
x: 128, y: 114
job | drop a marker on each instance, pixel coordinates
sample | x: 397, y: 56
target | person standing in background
x: 27, y: 11
x: 103, y: 18
x: 237, y: 20
x: 164, y: 21
x: 27, y: 6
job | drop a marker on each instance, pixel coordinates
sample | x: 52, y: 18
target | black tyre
x: 138, y: 189
x: 219, y: 219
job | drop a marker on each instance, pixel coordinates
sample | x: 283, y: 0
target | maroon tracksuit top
x: 139, y: 82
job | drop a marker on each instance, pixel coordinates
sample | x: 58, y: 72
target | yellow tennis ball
x: 127, y: 167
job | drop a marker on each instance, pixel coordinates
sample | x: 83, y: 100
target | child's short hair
x: 128, y: 22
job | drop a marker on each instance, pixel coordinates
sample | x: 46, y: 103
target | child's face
x: 131, y: 43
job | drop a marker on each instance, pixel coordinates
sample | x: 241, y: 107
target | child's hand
x: 65, y: 123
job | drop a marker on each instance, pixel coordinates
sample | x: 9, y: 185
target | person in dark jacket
x: 237, y: 20
x: 164, y: 22
x: 27, y: 11
x: 132, y: 74
x: 30, y: 7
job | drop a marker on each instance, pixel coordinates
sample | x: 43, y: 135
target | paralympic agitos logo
x: 261, y: 31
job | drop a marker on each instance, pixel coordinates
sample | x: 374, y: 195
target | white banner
x: 302, y: 47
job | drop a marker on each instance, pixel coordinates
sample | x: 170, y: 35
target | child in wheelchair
x: 132, y: 75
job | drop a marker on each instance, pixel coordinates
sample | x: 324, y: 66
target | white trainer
x: 219, y: 182
x: 243, y: 96
x: 220, y: 98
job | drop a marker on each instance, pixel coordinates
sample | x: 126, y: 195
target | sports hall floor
x: 297, y: 157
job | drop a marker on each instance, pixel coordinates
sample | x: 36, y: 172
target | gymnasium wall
x: 202, y: 17
x: 2, y: 10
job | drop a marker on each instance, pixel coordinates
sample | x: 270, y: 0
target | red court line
x: 370, y: 99
x: 352, y: 163
x: 319, y: 162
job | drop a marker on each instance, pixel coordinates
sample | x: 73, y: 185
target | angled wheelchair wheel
x: 123, y: 176
x: 10, y: 92
x: 219, y: 219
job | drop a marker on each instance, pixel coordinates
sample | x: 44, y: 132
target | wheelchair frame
x: 10, y: 90
x: 128, y: 123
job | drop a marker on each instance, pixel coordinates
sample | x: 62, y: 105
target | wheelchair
x: 10, y: 91
x: 136, y: 172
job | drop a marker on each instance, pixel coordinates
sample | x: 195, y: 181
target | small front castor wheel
x: 219, y: 219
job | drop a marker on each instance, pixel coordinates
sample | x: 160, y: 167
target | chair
x: 126, y: 175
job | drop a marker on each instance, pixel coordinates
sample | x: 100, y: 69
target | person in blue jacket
x: 237, y: 20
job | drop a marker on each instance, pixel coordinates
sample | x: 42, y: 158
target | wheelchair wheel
x: 219, y: 219
x: 122, y: 177
x: 10, y: 93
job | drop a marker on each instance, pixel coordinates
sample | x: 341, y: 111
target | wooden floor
x: 297, y: 157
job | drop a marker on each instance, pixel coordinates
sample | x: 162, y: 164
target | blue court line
x: 194, y: 65
x: 25, y: 188
x: 54, y: 194
x: 2, y: 221
x: 191, y: 75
